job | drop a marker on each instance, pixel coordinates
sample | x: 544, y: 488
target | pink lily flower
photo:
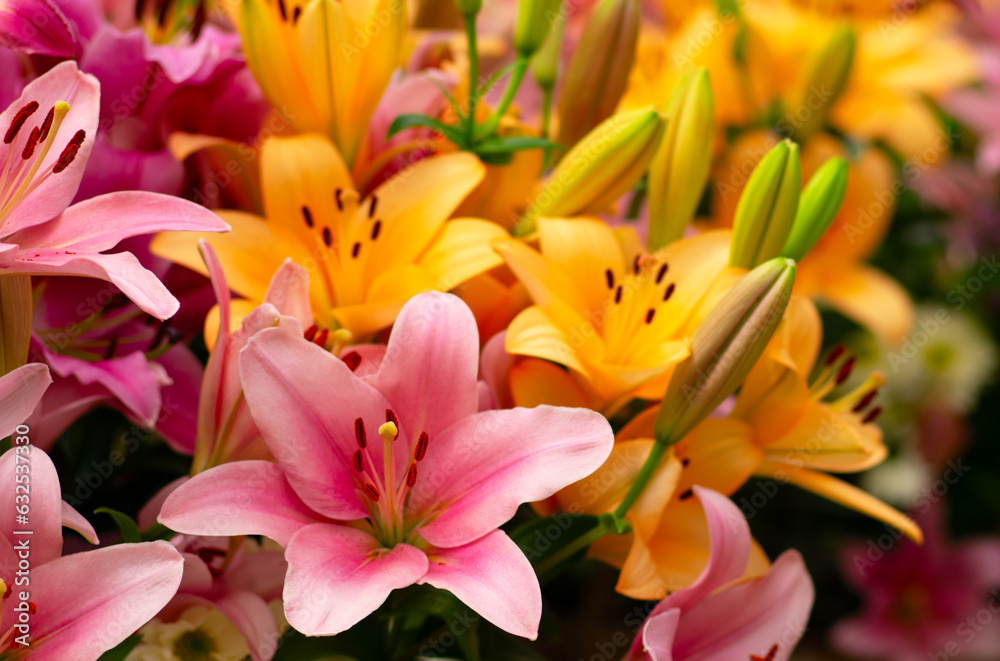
x: 36, y: 26
x: 931, y: 601
x: 361, y: 514
x: 20, y: 391
x: 717, y: 619
x: 83, y: 604
x: 47, y: 139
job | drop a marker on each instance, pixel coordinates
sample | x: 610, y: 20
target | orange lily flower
x: 616, y: 316
x: 782, y: 426
x: 365, y: 256
x: 324, y: 64
x: 834, y: 271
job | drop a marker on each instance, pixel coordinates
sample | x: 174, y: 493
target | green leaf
x: 513, y: 143
x: 129, y: 529
x: 413, y: 120
x: 122, y: 650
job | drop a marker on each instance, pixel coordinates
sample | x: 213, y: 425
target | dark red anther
x: 609, y: 277
x: 322, y: 337
x: 411, y: 475
x: 865, y: 401
x: 19, y: 119
x: 69, y: 153
x: 635, y: 265
x: 770, y: 654
x: 47, y: 124
x: 845, y: 370
x: 338, y: 199
x: 210, y: 555
x: 109, y: 353
x: 669, y: 292
x: 359, y: 433
x: 358, y: 461
x: 687, y: 494
x: 872, y: 415
x: 327, y: 237
x: 835, y: 354
x: 371, y: 491
x: 685, y: 461
x: 618, y: 294
x: 296, y: 14
x: 355, y: 249
x: 307, y: 214
x: 311, y: 332
x: 352, y: 359
x: 421, y: 449
x: 161, y: 332
x: 10, y: 588
x: 390, y: 416
x: 649, y: 315
x: 29, y: 146
x: 281, y: 8
x: 376, y: 229
x: 372, y: 207
x: 32, y: 608
x: 198, y: 23
x: 661, y: 273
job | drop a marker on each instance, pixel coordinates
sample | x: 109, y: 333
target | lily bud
x: 602, y: 166
x: 827, y: 79
x: 818, y: 206
x: 680, y: 167
x: 767, y: 207
x: 545, y: 65
x: 534, y: 19
x: 15, y: 321
x: 724, y: 348
x: 598, y: 72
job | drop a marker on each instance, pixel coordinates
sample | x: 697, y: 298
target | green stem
x: 546, y: 121
x: 645, y: 473
x: 470, y: 119
x: 570, y: 550
x: 491, y: 124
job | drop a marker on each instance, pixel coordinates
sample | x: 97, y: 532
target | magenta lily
x: 361, y: 513
x: 85, y: 603
x: 717, y: 619
x: 36, y: 26
x: 48, y: 135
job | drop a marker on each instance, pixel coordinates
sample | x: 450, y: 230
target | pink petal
x: 74, y: 521
x: 431, y: 362
x: 45, y: 511
x: 37, y: 27
x: 89, y: 602
x: 151, y: 510
x: 289, y: 292
x: 133, y: 380
x: 20, y: 392
x: 179, y: 408
x: 750, y: 617
x: 494, y: 578
x: 494, y: 366
x: 338, y: 575
x: 64, y: 82
x: 122, y: 269
x: 253, y: 618
x: 100, y: 223
x: 658, y: 634
x: 8, y: 253
x: 298, y: 391
x: 481, y: 468
x: 197, y: 578
x: 243, y: 498
x: 260, y: 572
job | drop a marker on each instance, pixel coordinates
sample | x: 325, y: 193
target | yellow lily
x: 782, y: 426
x: 365, y: 257
x: 616, y: 316
x: 324, y: 64
x: 834, y: 271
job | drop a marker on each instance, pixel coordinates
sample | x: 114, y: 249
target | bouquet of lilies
x: 372, y: 329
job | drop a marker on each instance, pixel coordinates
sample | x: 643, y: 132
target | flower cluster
x: 393, y: 330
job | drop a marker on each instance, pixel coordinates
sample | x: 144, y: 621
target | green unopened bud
x: 15, y: 321
x: 602, y: 166
x: 545, y: 65
x: 680, y: 167
x: 724, y: 348
x: 827, y: 78
x: 767, y: 207
x: 468, y: 7
x: 818, y: 206
x: 598, y: 72
x: 534, y: 20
